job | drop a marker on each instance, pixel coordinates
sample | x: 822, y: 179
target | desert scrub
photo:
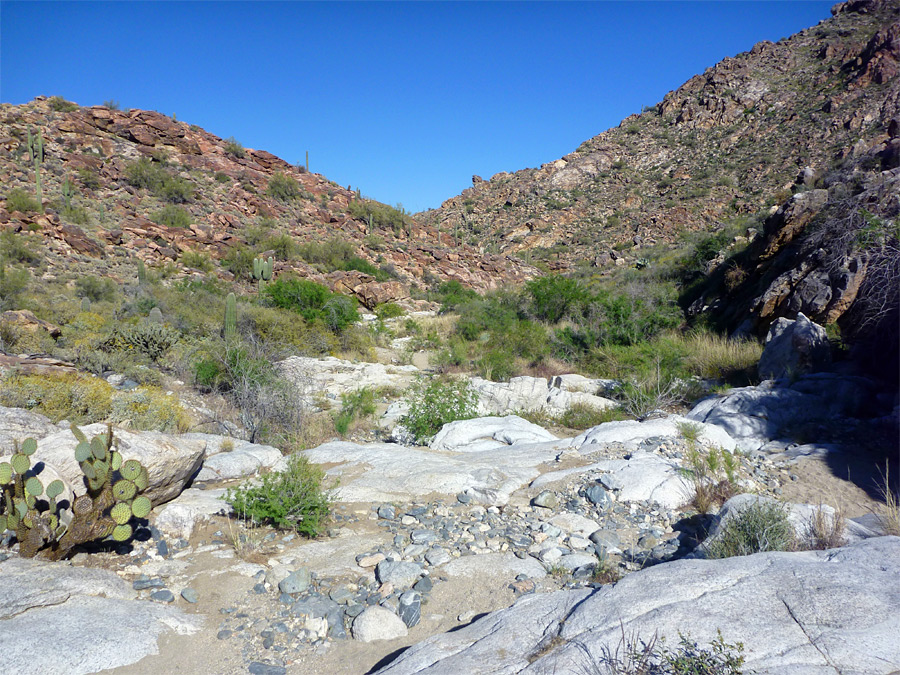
x: 149, y: 339
x: 711, y: 472
x: 583, y: 416
x: 434, y: 403
x: 761, y: 526
x: 283, y: 188
x: 84, y: 400
x: 294, y: 499
x: 357, y: 405
x: 639, y: 656
x: 19, y: 200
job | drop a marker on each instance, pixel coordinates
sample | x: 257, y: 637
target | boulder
x: 244, y: 459
x: 634, y: 432
x: 334, y: 377
x: 385, y: 472
x: 17, y: 424
x: 56, y: 618
x: 532, y: 394
x: 170, y: 460
x: 488, y: 433
x: 809, y: 613
x: 793, y: 348
x: 179, y: 517
x: 378, y: 623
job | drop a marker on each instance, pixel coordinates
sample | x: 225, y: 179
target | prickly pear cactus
x: 46, y: 515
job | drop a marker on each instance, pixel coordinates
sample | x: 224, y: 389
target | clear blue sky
x: 404, y: 100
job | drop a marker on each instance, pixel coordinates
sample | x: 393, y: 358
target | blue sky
x: 403, y: 100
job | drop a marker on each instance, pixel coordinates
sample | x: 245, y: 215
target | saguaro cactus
x: 262, y: 271
x: 36, y: 152
x: 229, y: 330
x: 141, y: 272
x: 68, y: 191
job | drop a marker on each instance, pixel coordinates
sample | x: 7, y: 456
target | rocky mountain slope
x: 729, y: 143
x: 218, y: 198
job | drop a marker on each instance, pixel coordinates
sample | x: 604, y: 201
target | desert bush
x: 239, y: 261
x: 283, y: 245
x: 389, y: 310
x: 59, y: 104
x: 331, y: 254
x: 88, y: 178
x: 294, y: 499
x: 313, y: 302
x: 553, y: 297
x: 172, y: 216
x: 198, y: 261
x: 636, y: 656
x: 451, y: 294
x: 496, y: 364
x: 152, y: 340
x: 642, y: 396
x: 19, y: 200
x: 75, y: 214
x: 433, y: 403
x: 13, y: 282
x: 234, y: 148
x: 761, y: 526
x: 889, y: 517
x: 283, y: 188
x: 19, y: 247
x: 712, y: 473
x: 582, y: 416
x: 84, y: 400
x: 354, y: 406
x: 154, y: 177
x: 380, y: 215
x: 96, y: 289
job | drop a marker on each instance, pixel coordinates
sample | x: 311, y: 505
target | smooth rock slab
x: 243, y: 460
x: 178, y: 518
x: 17, y: 424
x: 378, y: 623
x: 76, y: 620
x: 488, y: 433
x: 385, y: 472
x: 634, y: 432
x: 398, y: 574
x: 809, y: 613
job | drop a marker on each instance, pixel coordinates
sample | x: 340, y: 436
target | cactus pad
x: 29, y: 446
x: 87, y: 468
x: 130, y: 469
x: 33, y: 486
x: 83, y: 505
x: 20, y: 463
x: 98, y: 447
x: 115, y: 460
x: 6, y: 472
x: 3, y: 523
x: 121, y: 532
x: 21, y: 508
x: 123, y: 490
x: 121, y: 513
x: 143, y: 479
x: 141, y: 506
x: 55, y: 489
x: 83, y: 451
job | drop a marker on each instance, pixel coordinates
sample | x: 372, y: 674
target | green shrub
x: 222, y: 177
x: 761, y: 526
x: 434, y: 403
x: 380, y: 215
x: 283, y: 188
x: 639, y: 656
x: 313, y: 302
x: 19, y: 200
x: 149, y: 408
x: 172, y: 216
x: 389, y: 310
x: 19, y: 247
x: 293, y: 499
x: 75, y: 214
x: 234, y: 148
x: 283, y: 245
x: 357, y: 405
x: 88, y: 178
x: 150, y: 339
x: 96, y: 289
x: 198, y: 261
x: 59, y: 104
x: 154, y: 177
x: 239, y: 261
x: 552, y: 297
x: 582, y: 416
x: 452, y: 294
x: 497, y: 364
x: 13, y: 282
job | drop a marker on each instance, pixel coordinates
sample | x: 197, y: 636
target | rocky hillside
x: 730, y: 142
x: 119, y: 186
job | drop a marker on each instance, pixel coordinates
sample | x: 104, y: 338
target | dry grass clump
x: 889, y: 518
x: 717, y: 357
x: 762, y: 526
x: 712, y: 473
x: 825, y: 531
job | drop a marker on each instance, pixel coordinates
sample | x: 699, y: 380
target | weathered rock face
x: 17, y: 424
x: 532, y: 394
x: 812, y: 612
x: 76, y: 620
x: 794, y: 348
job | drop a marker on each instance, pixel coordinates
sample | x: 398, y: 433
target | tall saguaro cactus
x: 36, y: 152
x: 262, y: 271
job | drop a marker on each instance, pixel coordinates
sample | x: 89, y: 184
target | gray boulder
x: 488, y: 433
x: 809, y: 613
x: 378, y: 623
x: 55, y: 618
x: 170, y: 460
x: 244, y: 459
x: 793, y: 348
x: 17, y: 424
